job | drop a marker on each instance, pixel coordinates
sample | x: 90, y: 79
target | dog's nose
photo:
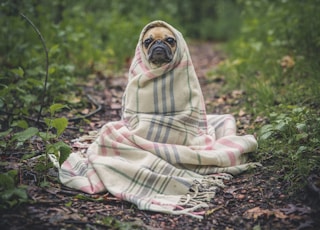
x: 158, y: 41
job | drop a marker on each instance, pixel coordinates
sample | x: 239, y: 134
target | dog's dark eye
x: 171, y: 41
x: 147, y: 42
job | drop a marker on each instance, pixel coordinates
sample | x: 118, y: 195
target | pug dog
x: 159, y: 45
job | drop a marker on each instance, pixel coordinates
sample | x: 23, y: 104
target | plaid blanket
x: 165, y: 154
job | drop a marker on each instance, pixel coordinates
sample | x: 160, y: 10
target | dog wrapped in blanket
x: 165, y: 154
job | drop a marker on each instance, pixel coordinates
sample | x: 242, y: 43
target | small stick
x: 47, y: 63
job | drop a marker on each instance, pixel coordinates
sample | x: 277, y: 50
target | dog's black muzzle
x: 160, y: 52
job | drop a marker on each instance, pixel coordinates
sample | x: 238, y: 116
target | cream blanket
x: 165, y: 154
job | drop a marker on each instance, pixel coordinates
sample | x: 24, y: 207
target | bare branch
x: 47, y: 63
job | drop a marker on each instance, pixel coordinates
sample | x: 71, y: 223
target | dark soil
x: 258, y: 199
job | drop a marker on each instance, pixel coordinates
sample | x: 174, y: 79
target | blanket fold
x: 165, y: 154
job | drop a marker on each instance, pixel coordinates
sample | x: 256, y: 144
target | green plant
x: 58, y: 148
x: 292, y: 138
x: 11, y: 194
x: 50, y: 138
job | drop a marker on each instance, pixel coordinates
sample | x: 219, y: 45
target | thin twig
x: 47, y: 63
x: 93, y: 101
x: 99, y: 108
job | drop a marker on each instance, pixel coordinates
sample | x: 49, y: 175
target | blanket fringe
x: 191, y: 211
x: 202, y: 191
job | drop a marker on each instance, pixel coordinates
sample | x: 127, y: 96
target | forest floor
x: 258, y: 199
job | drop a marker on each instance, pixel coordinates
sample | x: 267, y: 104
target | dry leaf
x: 287, y: 62
x: 74, y: 100
x: 253, y: 213
x: 210, y: 211
x: 237, y: 93
x: 242, y: 113
x: 277, y: 213
x: 256, y: 212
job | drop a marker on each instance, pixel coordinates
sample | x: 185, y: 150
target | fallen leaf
x: 242, y: 113
x: 210, y: 211
x: 256, y: 212
x: 287, y: 62
x: 85, y: 111
x: 74, y: 100
x: 253, y: 213
x: 237, y: 93
x: 277, y: 213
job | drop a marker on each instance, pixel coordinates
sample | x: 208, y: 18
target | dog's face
x: 159, y: 45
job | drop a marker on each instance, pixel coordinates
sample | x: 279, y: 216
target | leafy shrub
x: 10, y: 193
x: 292, y: 138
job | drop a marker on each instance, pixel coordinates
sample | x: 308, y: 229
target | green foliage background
x: 286, y: 96
x: 86, y: 36
x: 270, y: 31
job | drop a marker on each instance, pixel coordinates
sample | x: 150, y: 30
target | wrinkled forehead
x: 157, y: 30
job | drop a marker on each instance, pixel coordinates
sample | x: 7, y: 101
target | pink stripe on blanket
x: 166, y: 204
x: 148, y: 146
x: 230, y: 144
x: 150, y: 74
x: 103, y: 151
x: 104, y: 138
x: 142, y: 65
x: 91, y: 189
x: 119, y: 124
x: 91, y: 173
x: 183, y: 64
x: 68, y: 166
x: 209, y: 143
x: 232, y: 158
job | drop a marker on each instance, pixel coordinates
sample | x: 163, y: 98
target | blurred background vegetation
x: 87, y: 36
x: 272, y: 51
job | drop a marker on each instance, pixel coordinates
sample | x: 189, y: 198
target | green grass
x: 287, y: 96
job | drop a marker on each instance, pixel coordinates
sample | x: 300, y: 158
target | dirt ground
x: 257, y: 199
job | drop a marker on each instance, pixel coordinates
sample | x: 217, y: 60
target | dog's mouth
x: 159, y: 54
